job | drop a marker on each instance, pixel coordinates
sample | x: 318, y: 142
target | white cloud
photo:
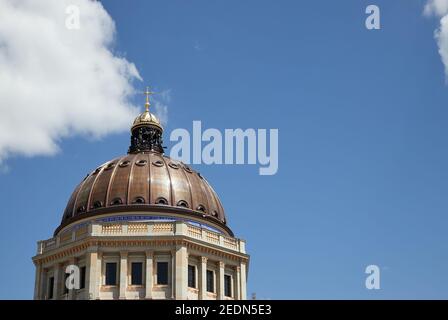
x: 57, y: 82
x: 161, y: 106
x: 440, y: 8
x: 436, y: 7
x: 441, y: 36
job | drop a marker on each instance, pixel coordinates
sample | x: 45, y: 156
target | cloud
x: 161, y: 106
x: 57, y: 82
x: 439, y: 8
x: 436, y: 7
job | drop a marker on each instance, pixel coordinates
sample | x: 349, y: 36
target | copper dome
x: 146, y: 181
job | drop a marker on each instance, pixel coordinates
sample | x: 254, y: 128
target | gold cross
x: 148, y: 93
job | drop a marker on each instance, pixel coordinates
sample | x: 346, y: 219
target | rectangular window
x: 50, y: 288
x: 111, y: 274
x: 82, y: 283
x: 136, y: 273
x: 210, y: 281
x: 191, y: 276
x: 162, y: 272
x: 227, y: 285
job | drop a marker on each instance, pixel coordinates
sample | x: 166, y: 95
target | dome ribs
x: 149, y: 182
x: 130, y: 180
x: 69, y: 210
x: 171, y: 200
x: 212, y: 195
x: 180, y: 187
x: 149, y: 178
x: 189, y: 185
x: 198, y: 192
x: 111, y: 178
x: 138, y: 183
x: 119, y: 183
x: 160, y: 185
x: 83, y: 194
x: 97, y: 196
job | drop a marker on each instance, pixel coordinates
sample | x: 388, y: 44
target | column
x: 149, y: 275
x: 220, y: 281
x: 43, y: 284
x: 173, y: 274
x: 38, y: 281
x: 181, y: 273
x: 92, y: 278
x: 203, y: 279
x: 57, y: 287
x: 243, y: 280
x: 123, y: 274
x: 237, y: 283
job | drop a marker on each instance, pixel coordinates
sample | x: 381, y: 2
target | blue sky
x: 361, y: 115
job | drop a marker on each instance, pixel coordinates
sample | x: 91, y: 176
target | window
x: 136, y: 273
x: 66, y: 275
x: 182, y: 203
x: 116, y: 202
x: 111, y: 274
x: 210, y: 281
x: 50, y: 288
x: 162, y: 272
x: 227, y: 285
x: 97, y: 204
x: 191, y: 276
x: 82, y: 284
x: 161, y: 201
x: 139, y: 200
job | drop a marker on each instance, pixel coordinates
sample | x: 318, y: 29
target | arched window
x: 116, y: 202
x: 182, y: 203
x: 139, y: 200
x: 97, y: 204
x: 162, y: 201
x: 141, y: 162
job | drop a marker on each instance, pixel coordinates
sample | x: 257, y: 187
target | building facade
x: 142, y: 226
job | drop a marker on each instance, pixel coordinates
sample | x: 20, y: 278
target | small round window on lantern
x: 162, y: 201
x: 188, y: 169
x: 215, y: 213
x: 116, y: 202
x: 81, y: 209
x: 139, y: 200
x: 201, y: 208
x: 182, y: 203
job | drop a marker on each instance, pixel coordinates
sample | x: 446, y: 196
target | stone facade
x: 91, y: 244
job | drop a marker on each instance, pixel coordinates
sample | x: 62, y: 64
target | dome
x: 149, y: 182
x: 146, y: 119
x: 146, y: 181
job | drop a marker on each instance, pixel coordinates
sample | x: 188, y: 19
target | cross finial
x: 148, y: 93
